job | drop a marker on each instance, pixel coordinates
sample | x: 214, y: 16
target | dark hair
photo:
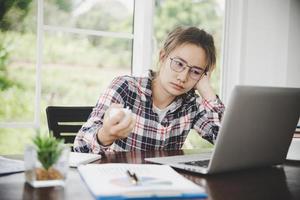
x: 192, y: 35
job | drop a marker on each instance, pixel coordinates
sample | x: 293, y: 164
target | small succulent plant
x: 49, y: 149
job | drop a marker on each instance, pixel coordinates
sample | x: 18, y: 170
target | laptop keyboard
x: 200, y: 163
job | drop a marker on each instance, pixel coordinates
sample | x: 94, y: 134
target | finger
x: 126, y: 120
x: 117, y: 134
x: 113, y: 105
x: 116, y: 119
x: 116, y: 105
x: 131, y: 125
x: 119, y: 129
x: 123, y: 128
x: 124, y: 133
x: 110, y: 122
x: 129, y: 129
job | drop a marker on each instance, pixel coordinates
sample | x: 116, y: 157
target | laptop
x: 257, y: 129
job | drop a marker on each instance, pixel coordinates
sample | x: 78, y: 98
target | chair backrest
x: 65, y: 122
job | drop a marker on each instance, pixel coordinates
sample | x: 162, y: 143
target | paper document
x: 111, y: 181
x: 77, y: 159
x: 8, y: 166
x: 294, y: 150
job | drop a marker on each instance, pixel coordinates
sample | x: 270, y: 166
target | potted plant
x: 46, y: 161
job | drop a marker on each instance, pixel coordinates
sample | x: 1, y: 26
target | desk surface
x: 269, y: 183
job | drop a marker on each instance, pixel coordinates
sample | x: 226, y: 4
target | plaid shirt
x: 189, y: 112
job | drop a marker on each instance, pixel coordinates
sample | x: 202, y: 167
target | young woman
x: 164, y: 105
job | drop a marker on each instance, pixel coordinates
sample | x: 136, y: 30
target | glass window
x: 104, y: 15
x: 13, y: 140
x: 78, y: 68
x: 17, y: 62
x: 78, y: 60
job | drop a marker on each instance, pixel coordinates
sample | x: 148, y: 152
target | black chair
x: 65, y: 122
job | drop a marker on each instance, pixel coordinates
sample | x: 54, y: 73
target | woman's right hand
x: 115, y: 127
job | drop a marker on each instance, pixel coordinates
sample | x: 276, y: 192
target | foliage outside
x: 5, y: 83
x: 76, y: 68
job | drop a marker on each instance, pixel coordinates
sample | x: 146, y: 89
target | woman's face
x: 189, y: 58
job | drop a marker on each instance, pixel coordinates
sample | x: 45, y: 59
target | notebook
x: 294, y: 150
x: 257, y: 129
x: 77, y: 159
x: 8, y: 166
x: 111, y: 181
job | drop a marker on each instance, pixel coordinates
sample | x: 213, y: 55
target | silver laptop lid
x: 257, y: 128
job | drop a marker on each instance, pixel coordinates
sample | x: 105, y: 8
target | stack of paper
x: 294, y: 150
x: 77, y: 159
x: 111, y: 181
x: 8, y: 166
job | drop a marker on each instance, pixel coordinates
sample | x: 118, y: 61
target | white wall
x: 262, y: 44
x: 293, y: 70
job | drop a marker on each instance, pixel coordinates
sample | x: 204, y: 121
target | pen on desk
x: 133, y: 177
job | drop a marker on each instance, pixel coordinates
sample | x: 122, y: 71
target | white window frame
x: 143, y: 34
x: 232, y: 46
x: 141, y: 52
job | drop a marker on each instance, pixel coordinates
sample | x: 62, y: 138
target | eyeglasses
x: 179, y: 65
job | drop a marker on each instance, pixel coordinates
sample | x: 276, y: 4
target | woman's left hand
x: 204, y: 88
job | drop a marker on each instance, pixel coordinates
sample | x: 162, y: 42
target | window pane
x: 17, y: 63
x: 207, y: 15
x: 78, y: 68
x: 104, y: 15
x: 13, y: 140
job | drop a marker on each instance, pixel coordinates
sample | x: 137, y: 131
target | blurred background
x: 65, y: 52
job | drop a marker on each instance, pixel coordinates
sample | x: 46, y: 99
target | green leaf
x: 49, y: 149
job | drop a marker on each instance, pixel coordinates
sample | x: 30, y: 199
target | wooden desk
x: 269, y: 183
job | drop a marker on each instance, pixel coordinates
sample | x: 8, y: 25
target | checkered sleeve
x: 207, y: 121
x: 86, y: 139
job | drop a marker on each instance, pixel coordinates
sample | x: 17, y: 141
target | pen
x: 133, y: 177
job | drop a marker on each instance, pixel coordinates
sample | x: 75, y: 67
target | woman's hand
x: 204, y: 88
x: 115, y: 127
